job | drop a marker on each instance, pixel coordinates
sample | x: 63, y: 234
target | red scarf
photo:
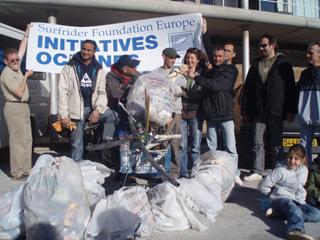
x: 125, y: 79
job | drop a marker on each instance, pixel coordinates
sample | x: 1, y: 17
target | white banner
x: 51, y: 46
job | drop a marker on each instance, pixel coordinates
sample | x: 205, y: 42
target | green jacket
x: 313, y: 184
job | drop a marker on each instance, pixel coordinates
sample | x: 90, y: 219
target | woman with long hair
x: 191, y: 123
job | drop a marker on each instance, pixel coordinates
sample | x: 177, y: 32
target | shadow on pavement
x: 240, y: 196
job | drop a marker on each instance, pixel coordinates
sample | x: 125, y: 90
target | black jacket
x: 191, y: 103
x: 218, y: 99
x: 276, y: 96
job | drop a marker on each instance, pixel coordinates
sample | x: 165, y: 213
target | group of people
x: 204, y: 91
x: 269, y: 97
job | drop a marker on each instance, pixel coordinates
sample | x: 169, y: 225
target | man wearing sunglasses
x: 269, y: 97
x: 16, y: 110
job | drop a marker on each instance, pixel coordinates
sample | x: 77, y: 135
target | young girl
x: 285, y: 184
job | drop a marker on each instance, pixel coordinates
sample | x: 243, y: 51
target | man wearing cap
x: 82, y: 95
x: 118, y: 83
x: 168, y: 70
x: 120, y: 79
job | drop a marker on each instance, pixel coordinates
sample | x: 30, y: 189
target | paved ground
x: 241, y: 217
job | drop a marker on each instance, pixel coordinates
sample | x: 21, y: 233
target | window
x: 285, y: 6
x: 225, y: 3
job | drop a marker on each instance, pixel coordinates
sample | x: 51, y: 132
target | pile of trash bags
x: 55, y: 200
x: 64, y: 199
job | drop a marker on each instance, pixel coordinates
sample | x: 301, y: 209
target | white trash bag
x: 124, y: 214
x: 11, y: 215
x: 162, y: 93
x: 166, y: 208
x: 221, y: 164
x: 11, y: 210
x: 190, y: 205
x: 199, y: 205
x: 55, y: 202
x: 111, y: 221
x: 135, y: 200
x: 93, y: 174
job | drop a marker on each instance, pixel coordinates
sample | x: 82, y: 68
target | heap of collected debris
x: 65, y: 199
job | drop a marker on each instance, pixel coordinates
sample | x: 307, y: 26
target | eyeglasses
x: 14, y: 60
x: 263, y: 45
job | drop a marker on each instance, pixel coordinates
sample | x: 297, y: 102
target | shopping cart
x: 142, y: 152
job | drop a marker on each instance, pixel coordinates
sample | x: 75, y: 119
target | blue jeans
x: 76, y: 137
x: 274, y: 127
x: 189, y: 126
x: 258, y: 152
x: 295, y: 213
x: 306, y: 137
x: 227, y: 129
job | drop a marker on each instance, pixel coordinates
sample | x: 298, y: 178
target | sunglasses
x: 263, y: 45
x: 192, y: 50
x: 14, y: 60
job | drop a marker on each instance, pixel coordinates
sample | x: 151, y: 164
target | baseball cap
x: 170, y: 52
x: 127, y: 60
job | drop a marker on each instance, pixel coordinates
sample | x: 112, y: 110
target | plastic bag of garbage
x: 129, y: 209
x: 11, y: 214
x: 111, y: 221
x: 166, y: 208
x: 226, y: 162
x: 199, y: 205
x: 135, y: 200
x: 210, y: 177
x: 190, y: 205
x: 42, y: 161
x: 11, y: 210
x: 54, y: 199
x: 162, y: 93
x: 93, y: 174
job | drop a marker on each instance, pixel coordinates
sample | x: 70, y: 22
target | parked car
x: 291, y: 135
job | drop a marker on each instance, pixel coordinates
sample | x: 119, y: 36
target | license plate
x: 288, y: 142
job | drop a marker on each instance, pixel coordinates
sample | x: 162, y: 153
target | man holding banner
x: 82, y: 94
x: 16, y: 110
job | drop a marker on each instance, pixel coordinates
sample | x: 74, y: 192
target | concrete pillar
x: 245, y: 4
x: 245, y: 51
x: 53, y: 80
x: 53, y: 77
x: 245, y: 44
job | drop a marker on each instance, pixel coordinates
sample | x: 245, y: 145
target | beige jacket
x: 70, y: 99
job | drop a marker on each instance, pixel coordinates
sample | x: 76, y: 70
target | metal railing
x: 304, y: 8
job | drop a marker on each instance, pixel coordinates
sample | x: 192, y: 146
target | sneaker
x: 238, y: 181
x: 252, y: 177
x: 107, y: 138
x: 22, y: 177
x: 270, y: 213
x: 184, y: 176
x: 298, y: 235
